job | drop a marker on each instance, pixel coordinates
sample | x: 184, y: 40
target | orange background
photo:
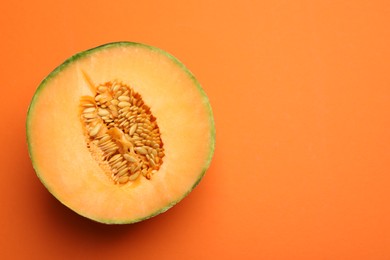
x: 301, y: 98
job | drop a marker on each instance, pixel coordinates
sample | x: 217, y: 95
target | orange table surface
x: 301, y: 97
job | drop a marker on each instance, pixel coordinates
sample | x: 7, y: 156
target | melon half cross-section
x: 120, y: 133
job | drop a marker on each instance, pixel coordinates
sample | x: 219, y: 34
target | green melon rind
x: 85, y: 54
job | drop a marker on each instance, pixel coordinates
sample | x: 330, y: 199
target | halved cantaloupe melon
x: 120, y: 133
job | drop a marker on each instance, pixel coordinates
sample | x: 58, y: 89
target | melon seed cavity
x: 121, y: 133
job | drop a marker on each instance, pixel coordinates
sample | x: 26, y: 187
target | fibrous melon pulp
x: 121, y: 132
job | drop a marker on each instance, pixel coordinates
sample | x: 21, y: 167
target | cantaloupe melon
x: 120, y: 133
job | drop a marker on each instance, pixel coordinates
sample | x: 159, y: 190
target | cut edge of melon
x: 89, y: 52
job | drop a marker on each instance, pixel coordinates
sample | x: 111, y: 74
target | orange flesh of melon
x: 57, y: 143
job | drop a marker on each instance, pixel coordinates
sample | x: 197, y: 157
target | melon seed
x: 129, y: 158
x: 122, y: 172
x: 123, y: 104
x: 134, y: 176
x: 124, y: 98
x: 103, y: 112
x: 140, y: 150
x: 95, y: 130
x: 89, y: 110
x: 89, y: 115
x: 132, y: 129
x: 123, y: 179
x: 115, y: 157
